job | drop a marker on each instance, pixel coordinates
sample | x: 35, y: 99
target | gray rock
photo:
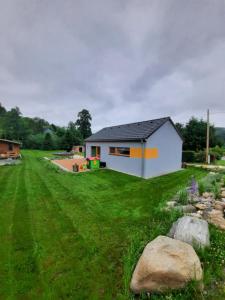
x: 171, y: 204
x: 191, y: 230
x: 196, y: 215
x: 186, y: 208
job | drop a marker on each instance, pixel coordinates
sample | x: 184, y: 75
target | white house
x: 145, y: 149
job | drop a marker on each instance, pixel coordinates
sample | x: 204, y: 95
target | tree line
x: 37, y: 133
x: 194, y: 135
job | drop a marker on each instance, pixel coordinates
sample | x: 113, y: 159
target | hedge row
x: 192, y: 156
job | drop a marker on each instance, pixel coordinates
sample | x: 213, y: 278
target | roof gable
x: 11, y: 142
x: 129, y: 132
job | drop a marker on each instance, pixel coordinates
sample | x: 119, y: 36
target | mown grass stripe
x: 55, y: 233
x: 96, y: 242
x: 24, y: 267
x: 8, y: 182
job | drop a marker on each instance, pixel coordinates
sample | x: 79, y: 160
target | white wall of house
x: 169, y: 145
x: 123, y: 164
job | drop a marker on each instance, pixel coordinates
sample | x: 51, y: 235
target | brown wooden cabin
x: 9, y: 149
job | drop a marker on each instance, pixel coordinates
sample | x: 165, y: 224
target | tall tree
x: 83, y: 123
x: 2, y: 110
x: 12, y: 123
x: 48, y: 142
x: 194, y: 134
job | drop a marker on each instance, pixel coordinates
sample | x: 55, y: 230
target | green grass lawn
x: 220, y: 162
x: 67, y: 236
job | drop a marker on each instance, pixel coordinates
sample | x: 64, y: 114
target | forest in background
x: 37, y: 133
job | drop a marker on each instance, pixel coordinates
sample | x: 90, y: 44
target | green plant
x: 218, y: 177
x: 183, y: 196
x: 216, y: 191
x: 201, y: 187
x: 200, y: 156
x: 217, y: 152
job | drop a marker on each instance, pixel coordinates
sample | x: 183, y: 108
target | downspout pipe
x: 143, y: 158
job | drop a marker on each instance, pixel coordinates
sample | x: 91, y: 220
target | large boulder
x: 191, y: 230
x: 165, y: 264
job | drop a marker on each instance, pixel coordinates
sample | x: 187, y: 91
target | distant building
x: 145, y: 149
x: 77, y: 149
x: 9, y: 149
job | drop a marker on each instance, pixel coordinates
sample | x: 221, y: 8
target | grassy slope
x: 66, y: 236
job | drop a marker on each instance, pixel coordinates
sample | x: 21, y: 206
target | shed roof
x: 9, y: 141
x: 129, y: 132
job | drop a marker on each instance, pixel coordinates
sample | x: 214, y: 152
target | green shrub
x: 218, y: 177
x: 200, y: 156
x: 217, y: 152
x: 211, y: 183
x: 188, y: 156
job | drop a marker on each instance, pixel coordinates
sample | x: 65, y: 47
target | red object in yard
x: 92, y: 158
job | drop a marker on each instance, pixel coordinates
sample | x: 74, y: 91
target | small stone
x: 186, y: 208
x: 219, y: 205
x: 171, y: 204
x: 223, y: 194
x: 195, y: 215
x: 200, y: 206
x: 206, y: 195
x: 216, y: 218
x: 194, y: 199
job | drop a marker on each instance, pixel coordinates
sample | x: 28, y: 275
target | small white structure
x: 145, y: 149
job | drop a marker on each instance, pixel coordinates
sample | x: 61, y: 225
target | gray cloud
x: 123, y: 60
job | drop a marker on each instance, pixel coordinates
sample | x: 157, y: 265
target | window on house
x: 122, y: 151
x: 95, y: 151
x: 112, y: 150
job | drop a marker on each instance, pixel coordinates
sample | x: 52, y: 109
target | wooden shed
x: 78, y: 149
x: 9, y: 149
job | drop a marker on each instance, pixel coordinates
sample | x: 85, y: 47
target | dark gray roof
x: 129, y: 132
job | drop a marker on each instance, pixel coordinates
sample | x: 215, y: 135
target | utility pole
x: 207, y: 139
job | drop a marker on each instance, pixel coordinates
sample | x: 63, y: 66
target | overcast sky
x: 124, y: 60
